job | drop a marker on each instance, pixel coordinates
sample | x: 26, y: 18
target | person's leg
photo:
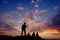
x: 22, y: 33
x: 25, y: 32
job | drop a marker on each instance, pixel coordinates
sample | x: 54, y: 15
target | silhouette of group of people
x: 24, y: 30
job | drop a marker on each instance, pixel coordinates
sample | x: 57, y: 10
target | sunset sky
x: 42, y: 16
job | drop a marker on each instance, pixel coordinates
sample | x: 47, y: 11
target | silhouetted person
x: 33, y: 35
x: 37, y: 35
x: 28, y: 34
x: 23, y: 29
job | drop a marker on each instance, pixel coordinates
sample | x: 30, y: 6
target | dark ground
x: 27, y: 37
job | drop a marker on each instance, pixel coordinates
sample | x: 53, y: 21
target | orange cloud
x: 50, y: 34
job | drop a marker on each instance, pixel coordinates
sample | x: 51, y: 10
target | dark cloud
x: 56, y: 19
x: 1, y: 33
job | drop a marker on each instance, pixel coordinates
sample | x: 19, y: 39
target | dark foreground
x: 27, y: 37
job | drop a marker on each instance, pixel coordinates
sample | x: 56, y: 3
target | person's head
x: 24, y: 23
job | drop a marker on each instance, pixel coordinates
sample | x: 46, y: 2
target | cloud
x: 37, y: 11
x: 56, y: 7
x: 32, y: 1
x: 20, y: 14
x: 7, y: 26
x: 36, y: 5
x: 20, y: 21
x: 35, y: 1
x: 32, y: 26
x: 28, y: 15
x: 11, y: 32
x: 52, y: 34
x: 20, y: 8
x: 6, y: 15
x: 6, y: 18
x: 10, y: 25
x: 40, y: 11
x: 13, y: 12
x: 38, y: 26
x: 43, y: 11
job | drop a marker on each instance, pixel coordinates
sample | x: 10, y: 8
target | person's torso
x: 23, y: 26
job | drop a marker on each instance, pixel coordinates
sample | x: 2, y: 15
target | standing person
x: 23, y: 29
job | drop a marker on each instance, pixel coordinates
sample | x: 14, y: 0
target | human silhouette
x: 28, y: 34
x: 33, y: 35
x: 23, y: 29
x: 37, y: 35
